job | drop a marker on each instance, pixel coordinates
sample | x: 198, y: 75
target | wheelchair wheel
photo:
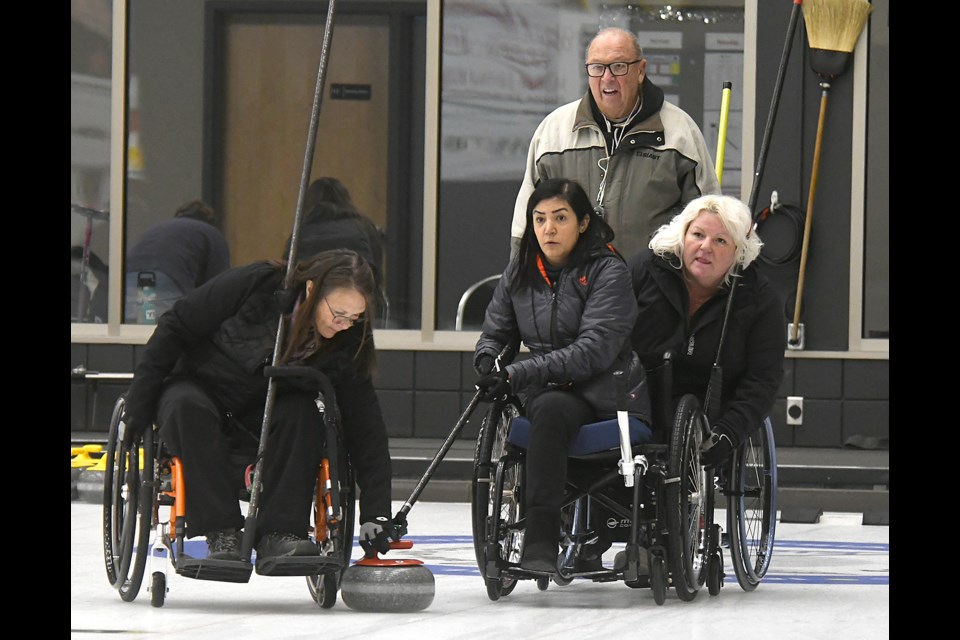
x: 752, y: 506
x: 658, y: 579
x: 334, y: 539
x: 503, y: 538
x: 128, y: 495
x: 687, y: 498
x: 715, y: 575
x: 495, y: 502
x: 158, y: 589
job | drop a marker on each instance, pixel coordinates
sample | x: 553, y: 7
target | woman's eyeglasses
x: 342, y: 319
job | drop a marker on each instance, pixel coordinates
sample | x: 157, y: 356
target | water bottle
x: 147, y: 298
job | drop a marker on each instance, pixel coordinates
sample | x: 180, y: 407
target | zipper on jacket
x: 554, y: 325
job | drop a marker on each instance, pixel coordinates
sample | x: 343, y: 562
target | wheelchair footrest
x: 218, y: 570
x: 634, y: 562
x: 297, y: 565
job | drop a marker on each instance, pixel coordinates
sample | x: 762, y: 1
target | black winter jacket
x: 340, y: 229
x: 577, y: 330
x: 753, y: 350
x: 222, y: 335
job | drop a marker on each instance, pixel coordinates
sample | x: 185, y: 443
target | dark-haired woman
x: 201, y: 381
x: 567, y: 295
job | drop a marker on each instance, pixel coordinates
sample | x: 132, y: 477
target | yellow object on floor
x: 80, y: 456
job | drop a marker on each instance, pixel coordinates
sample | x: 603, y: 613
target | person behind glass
x: 566, y: 295
x: 639, y: 156
x: 332, y: 221
x: 175, y: 256
x: 200, y: 379
x: 681, y: 283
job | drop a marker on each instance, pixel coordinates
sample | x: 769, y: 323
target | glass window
x: 506, y: 65
x: 224, y: 115
x: 90, y: 94
x: 876, y: 267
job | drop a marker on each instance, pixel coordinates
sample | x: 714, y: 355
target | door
x: 270, y: 70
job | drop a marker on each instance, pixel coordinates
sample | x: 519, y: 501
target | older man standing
x: 639, y: 157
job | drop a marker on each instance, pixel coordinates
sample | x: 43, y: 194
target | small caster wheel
x: 715, y: 575
x: 158, y: 589
x: 658, y: 579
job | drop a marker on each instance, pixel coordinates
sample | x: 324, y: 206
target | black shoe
x: 223, y: 545
x: 540, y: 557
x: 273, y: 545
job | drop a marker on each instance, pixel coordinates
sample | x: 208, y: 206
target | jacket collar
x: 588, y: 113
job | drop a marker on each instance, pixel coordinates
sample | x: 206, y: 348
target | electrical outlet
x: 794, y: 410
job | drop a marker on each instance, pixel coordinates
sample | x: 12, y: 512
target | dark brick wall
x: 424, y: 393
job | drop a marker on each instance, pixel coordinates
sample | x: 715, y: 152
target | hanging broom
x: 833, y: 28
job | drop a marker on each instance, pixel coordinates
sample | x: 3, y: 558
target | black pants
x: 555, y: 417
x: 194, y: 429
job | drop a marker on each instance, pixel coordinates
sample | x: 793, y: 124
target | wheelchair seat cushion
x: 591, y: 438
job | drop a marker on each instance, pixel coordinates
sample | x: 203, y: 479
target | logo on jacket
x: 583, y: 280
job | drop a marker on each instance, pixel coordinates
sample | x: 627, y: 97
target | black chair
x: 473, y: 303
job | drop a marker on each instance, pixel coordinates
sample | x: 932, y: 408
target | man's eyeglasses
x: 340, y: 318
x: 596, y: 69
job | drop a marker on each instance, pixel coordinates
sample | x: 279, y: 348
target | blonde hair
x: 734, y: 216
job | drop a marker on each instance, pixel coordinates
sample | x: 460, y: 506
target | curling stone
x: 387, y: 586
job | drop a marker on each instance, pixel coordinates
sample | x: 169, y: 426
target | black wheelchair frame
x: 144, y: 517
x: 664, y: 513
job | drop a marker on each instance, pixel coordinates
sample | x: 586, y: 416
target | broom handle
x: 761, y: 161
x: 807, y: 223
x: 253, y: 507
x: 774, y: 104
x: 722, y: 135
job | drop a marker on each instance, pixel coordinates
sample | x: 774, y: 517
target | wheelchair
x: 623, y: 485
x: 144, y: 517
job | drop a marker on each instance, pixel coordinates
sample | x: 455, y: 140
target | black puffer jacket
x: 222, y: 335
x: 753, y: 350
x: 577, y: 330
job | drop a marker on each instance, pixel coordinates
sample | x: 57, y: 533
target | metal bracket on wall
x: 795, y: 344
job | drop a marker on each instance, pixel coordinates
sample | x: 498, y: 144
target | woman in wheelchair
x: 681, y: 283
x: 566, y: 295
x: 201, y: 381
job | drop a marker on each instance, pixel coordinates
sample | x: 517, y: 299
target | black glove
x: 134, y: 428
x: 376, y: 535
x: 495, y: 386
x: 718, y: 448
x: 484, y: 365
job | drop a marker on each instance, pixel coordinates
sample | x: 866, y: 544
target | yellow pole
x: 722, y: 137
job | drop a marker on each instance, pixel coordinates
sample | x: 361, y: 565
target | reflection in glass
x: 90, y: 95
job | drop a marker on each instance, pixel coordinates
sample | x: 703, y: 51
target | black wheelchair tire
x: 128, y: 496
x: 658, y: 579
x: 491, y: 441
x: 752, y: 506
x: 715, y: 575
x: 324, y: 586
x: 158, y: 588
x: 688, y: 523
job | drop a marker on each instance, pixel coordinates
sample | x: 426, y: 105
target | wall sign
x: 350, y: 91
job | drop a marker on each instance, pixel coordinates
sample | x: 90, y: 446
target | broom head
x: 833, y: 28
